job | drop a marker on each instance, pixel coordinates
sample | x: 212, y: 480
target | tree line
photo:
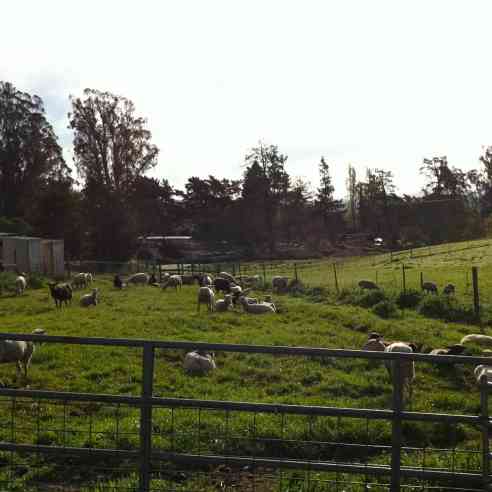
x: 112, y: 202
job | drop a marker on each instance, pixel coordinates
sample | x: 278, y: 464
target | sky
x: 379, y: 84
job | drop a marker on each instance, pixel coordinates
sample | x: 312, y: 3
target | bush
x: 447, y: 308
x: 370, y: 298
x: 386, y: 309
x: 409, y: 299
x: 7, y: 281
x: 35, y: 281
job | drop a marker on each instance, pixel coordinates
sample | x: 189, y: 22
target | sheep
x: 173, y: 281
x: 18, y: 351
x: 118, y: 283
x: 449, y: 289
x: 225, y: 304
x: 367, y: 284
x: 139, y: 278
x: 20, y: 284
x: 222, y: 284
x: 477, y: 338
x: 227, y: 276
x: 61, y: 293
x: 280, y: 283
x: 429, y: 287
x: 456, y: 349
x: 198, y: 362
x: 79, y: 280
x: 374, y: 343
x: 206, y: 281
x: 89, y: 299
x: 260, y: 308
x: 206, y: 296
x: 407, y: 373
x: 89, y: 278
x: 483, y: 370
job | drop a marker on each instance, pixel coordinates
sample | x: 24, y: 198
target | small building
x: 33, y: 254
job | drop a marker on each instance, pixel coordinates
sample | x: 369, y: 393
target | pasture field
x: 150, y: 313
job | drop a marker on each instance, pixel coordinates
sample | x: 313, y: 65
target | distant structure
x: 32, y: 254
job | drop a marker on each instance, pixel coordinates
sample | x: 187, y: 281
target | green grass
x: 147, y: 312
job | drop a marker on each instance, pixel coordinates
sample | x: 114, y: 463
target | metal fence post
x: 146, y: 417
x: 484, y: 413
x: 396, y: 428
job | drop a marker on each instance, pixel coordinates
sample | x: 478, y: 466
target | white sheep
x: 374, y: 343
x: 18, y: 351
x: 260, y: 308
x: 173, y: 281
x: 407, y: 373
x: 139, y: 278
x: 477, y: 338
x: 89, y: 278
x: 206, y: 281
x: 198, y: 362
x: 225, y: 304
x: 483, y: 370
x: 20, y: 285
x: 89, y: 299
x: 79, y: 280
x: 280, y: 283
x: 206, y: 296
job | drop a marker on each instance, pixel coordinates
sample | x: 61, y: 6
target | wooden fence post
x: 476, y: 296
x: 403, y: 277
x: 264, y: 273
x: 421, y: 281
x: 336, y: 279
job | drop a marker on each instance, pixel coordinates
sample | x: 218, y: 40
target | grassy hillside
x: 147, y: 312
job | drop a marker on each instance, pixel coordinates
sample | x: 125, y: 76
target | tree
x: 30, y: 155
x: 352, y: 196
x: 112, y: 150
x: 443, y: 181
x: 265, y: 187
x: 325, y: 203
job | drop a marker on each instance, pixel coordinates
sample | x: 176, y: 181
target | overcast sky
x: 373, y: 83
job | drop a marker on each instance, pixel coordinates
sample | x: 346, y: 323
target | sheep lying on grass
x: 198, y: 362
x: 139, y: 278
x: 18, y: 351
x: 173, y: 281
x: 61, y: 293
x: 20, y: 285
x: 206, y: 296
x: 407, y: 372
x: 478, y: 339
x: 89, y: 299
x: 456, y: 349
x: 374, y: 343
x: 225, y: 304
x: 260, y: 308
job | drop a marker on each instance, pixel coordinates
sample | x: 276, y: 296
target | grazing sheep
x: 429, y: 287
x: 222, y: 285
x: 456, y: 349
x: 139, y: 278
x: 260, y: 308
x: 225, y: 304
x: 61, y: 293
x: 280, y: 283
x: 79, y: 280
x: 206, y: 296
x: 198, y: 362
x: 367, y: 284
x: 18, y: 351
x: 173, y: 281
x: 407, y: 373
x: 449, y: 289
x: 89, y: 299
x: 374, y: 343
x: 477, y: 338
x: 20, y: 284
x: 227, y: 276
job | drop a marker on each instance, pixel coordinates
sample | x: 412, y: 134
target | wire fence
x: 97, y: 442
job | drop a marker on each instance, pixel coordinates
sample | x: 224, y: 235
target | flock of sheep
x: 429, y: 287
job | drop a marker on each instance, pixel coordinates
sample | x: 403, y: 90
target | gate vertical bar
x: 396, y: 429
x: 484, y: 411
x: 146, y: 417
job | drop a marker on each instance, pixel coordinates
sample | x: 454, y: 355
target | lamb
x: 18, y: 351
x: 199, y: 362
x: 407, y: 373
x: 260, y: 308
x: 374, y: 343
x: 225, y: 304
x: 173, y: 281
x: 280, y: 283
x: 367, y: 284
x: 89, y: 299
x: 449, y: 289
x: 429, y: 287
x: 206, y: 296
x: 477, y: 338
x: 139, y: 278
x: 79, y: 280
x: 20, y: 284
x: 61, y: 293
